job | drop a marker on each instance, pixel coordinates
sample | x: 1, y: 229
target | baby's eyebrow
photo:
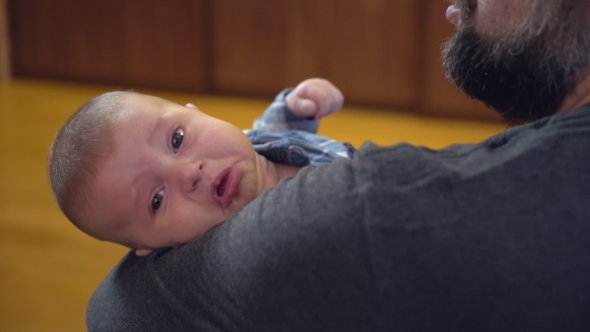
x: 162, y: 120
x: 139, y: 192
x: 135, y: 195
x: 130, y: 212
x: 159, y: 126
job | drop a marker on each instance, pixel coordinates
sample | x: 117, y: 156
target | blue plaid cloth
x: 285, y: 138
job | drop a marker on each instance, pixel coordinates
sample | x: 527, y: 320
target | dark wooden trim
x: 4, y: 44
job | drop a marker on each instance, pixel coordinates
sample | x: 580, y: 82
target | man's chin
x: 522, y: 87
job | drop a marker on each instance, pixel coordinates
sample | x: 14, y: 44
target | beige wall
x: 379, y: 52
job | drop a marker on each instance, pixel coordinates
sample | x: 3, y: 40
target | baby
x: 147, y: 173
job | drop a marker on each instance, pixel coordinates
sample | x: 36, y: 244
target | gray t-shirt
x: 486, y: 237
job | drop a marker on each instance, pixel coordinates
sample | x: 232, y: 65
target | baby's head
x: 78, y: 148
x: 148, y: 173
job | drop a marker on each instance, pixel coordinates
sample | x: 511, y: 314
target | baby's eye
x: 157, y: 201
x: 177, y: 139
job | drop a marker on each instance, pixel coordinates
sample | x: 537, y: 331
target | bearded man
x: 492, y: 236
x: 521, y: 58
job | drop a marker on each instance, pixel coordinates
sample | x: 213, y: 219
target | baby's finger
x: 330, y: 103
x: 304, y: 108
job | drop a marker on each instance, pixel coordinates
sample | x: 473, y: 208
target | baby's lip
x: 225, y: 186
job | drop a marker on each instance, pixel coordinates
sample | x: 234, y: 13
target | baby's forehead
x: 139, y: 106
x: 143, y: 104
x: 114, y: 224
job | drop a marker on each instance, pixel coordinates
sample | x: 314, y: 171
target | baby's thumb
x: 305, y: 108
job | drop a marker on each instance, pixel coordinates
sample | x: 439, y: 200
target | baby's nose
x: 188, y: 173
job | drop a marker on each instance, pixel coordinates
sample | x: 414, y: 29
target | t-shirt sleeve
x: 485, y: 237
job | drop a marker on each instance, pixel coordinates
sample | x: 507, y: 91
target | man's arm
x: 295, y: 257
x: 487, y: 237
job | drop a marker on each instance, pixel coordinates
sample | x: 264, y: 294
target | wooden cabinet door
x: 370, y: 48
x: 379, y: 52
x: 4, y: 44
x: 148, y: 43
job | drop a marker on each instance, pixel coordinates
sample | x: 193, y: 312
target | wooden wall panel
x: 4, y: 44
x: 370, y: 49
x: 379, y: 52
x: 151, y: 43
x: 439, y: 96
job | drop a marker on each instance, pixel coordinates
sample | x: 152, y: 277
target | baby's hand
x: 314, y: 97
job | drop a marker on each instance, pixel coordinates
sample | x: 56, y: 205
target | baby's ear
x: 142, y: 252
x: 189, y: 105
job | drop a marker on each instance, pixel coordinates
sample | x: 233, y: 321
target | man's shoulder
x: 516, y: 146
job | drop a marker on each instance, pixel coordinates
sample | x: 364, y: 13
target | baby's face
x: 174, y: 173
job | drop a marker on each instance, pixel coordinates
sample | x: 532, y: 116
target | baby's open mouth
x: 221, y: 187
x: 226, y: 186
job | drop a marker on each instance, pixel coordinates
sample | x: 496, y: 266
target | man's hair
x: 77, y: 151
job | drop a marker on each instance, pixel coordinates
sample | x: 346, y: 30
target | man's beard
x: 521, y: 83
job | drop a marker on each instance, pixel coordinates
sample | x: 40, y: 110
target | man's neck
x: 579, y: 97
